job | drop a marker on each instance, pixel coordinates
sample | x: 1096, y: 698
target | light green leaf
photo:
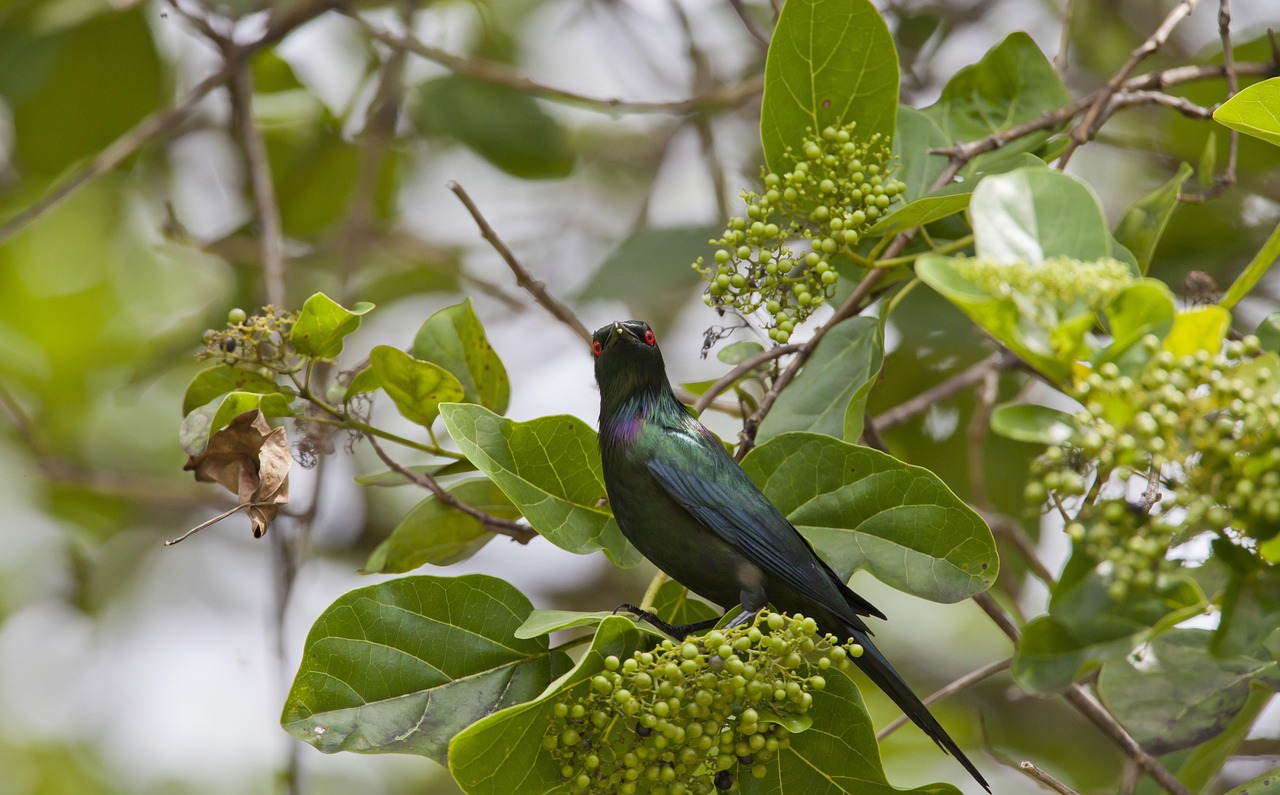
x: 454, y: 339
x: 739, y: 352
x: 402, y: 666
x: 217, y: 414
x: 924, y: 210
x: 1254, y: 111
x: 550, y: 469
x: 322, y: 324
x: 418, y: 388
x: 916, y: 135
x: 1143, y: 223
x: 1144, y: 307
x: 861, y: 508
x: 1012, y: 83
x: 1024, y: 422
x: 1257, y: 267
x: 221, y: 379
x: 1208, y: 161
x: 842, y: 370
x: 544, y: 622
x: 1266, y: 784
x: 1178, y: 694
x: 836, y: 755
x: 365, y: 381
x: 439, y: 534
x: 829, y: 64
x: 1268, y: 333
x: 1199, y: 328
x: 502, y: 753
x: 1033, y: 214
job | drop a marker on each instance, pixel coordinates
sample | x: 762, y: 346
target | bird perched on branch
x: 691, y: 510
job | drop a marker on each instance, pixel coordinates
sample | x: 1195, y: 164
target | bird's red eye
x: 597, y: 348
x: 648, y: 336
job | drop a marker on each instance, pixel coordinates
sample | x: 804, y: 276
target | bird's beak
x: 617, y: 327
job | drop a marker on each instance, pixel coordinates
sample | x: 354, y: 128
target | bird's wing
x: 711, y: 486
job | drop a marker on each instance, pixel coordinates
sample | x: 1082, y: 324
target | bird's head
x: 627, y: 360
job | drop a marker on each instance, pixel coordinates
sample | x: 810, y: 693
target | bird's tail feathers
x: 882, y: 674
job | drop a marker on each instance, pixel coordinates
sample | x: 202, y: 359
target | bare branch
x: 520, y: 532
x: 254, y: 148
x: 745, y: 366
x: 1186, y: 107
x: 1044, y: 778
x: 974, y: 374
x: 968, y: 680
x: 757, y: 33
x: 1064, y: 39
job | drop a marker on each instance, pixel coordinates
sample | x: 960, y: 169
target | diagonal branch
x: 968, y: 680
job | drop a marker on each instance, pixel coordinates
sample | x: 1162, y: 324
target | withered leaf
x: 251, y: 460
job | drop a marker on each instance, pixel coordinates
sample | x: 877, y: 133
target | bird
x: 686, y: 505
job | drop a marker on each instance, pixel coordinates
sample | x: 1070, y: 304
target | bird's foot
x: 677, y: 631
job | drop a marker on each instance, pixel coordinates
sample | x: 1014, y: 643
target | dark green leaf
x: 418, y: 388
x: 1254, y: 111
x: 1176, y: 694
x: 502, y: 124
x: 864, y: 509
x: 1024, y: 422
x: 833, y: 386
x: 439, y: 534
x: 402, y: 666
x: 550, y: 469
x: 829, y: 64
x: 454, y: 339
x: 916, y: 135
x: 1144, y: 222
x: 322, y: 324
x: 675, y: 605
x: 1204, y: 762
x: 221, y: 379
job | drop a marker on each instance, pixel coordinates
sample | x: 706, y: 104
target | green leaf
x: 502, y: 124
x: 1208, y: 161
x: 1144, y: 307
x: 924, y: 210
x: 916, y: 135
x: 861, y: 508
x: 1013, y: 83
x: 221, y: 379
x: 837, y: 378
x: 1257, y: 267
x: 837, y: 754
x: 829, y: 64
x: 418, y: 388
x: 217, y: 414
x: 675, y: 605
x: 454, y: 339
x: 365, y: 381
x: 502, y: 753
x: 737, y: 353
x: 1269, y: 333
x: 550, y: 469
x: 1266, y: 784
x: 1255, y: 111
x: 402, y: 666
x: 1024, y: 422
x: 1177, y: 694
x: 1144, y: 222
x: 322, y: 324
x: 1033, y: 214
x: 392, y: 478
x: 544, y: 622
x: 439, y: 534
x: 1199, y: 328
x: 1203, y: 764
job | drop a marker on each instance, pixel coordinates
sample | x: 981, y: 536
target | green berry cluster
x: 689, y: 717
x: 258, y: 340
x: 1198, y: 435
x: 838, y: 187
x: 1059, y: 281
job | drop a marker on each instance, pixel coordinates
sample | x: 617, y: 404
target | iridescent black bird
x: 691, y: 510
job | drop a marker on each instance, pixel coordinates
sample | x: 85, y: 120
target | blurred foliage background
x: 605, y: 140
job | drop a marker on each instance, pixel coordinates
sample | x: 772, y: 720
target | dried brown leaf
x: 251, y: 460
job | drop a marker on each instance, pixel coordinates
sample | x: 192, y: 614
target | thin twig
x: 968, y: 680
x: 264, y: 192
x: 1044, y: 778
x: 494, y: 72
x: 520, y: 532
x: 535, y: 288
x: 1096, y: 114
x: 217, y: 519
x: 1228, y: 177
x: 974, y: 374
x: 1064, y: 39
x: 1186, y: 107
x: 757, y: 33
x: 1005, y: 527
x: 743, y: 368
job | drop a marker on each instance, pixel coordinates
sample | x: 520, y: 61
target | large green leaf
x: 504, y: 125
x: 402, y: 666
x: 502, y: 754
x: 916, y: 134
x: 1143, y: 223
x: 1033, y: 214
x: 830, y: 62
x: 1012, y: 83
x: 837, y: 754
x: 864, y: 509
x: 675, y: 605
x: 834, y: 383
x: 439, y: 534
x: 1178, y: 694
x: 221, y: 379
x: 1202, y: 764
x: 454, y: 339
x: 550, y: 469
x: 322, y: 324
x: 417, y: 387
x: 1254, y: 111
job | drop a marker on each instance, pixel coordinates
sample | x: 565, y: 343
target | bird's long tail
x: 878, y: 670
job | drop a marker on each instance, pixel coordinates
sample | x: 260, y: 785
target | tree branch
x: 745, y: 366
x: 968, y: 680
